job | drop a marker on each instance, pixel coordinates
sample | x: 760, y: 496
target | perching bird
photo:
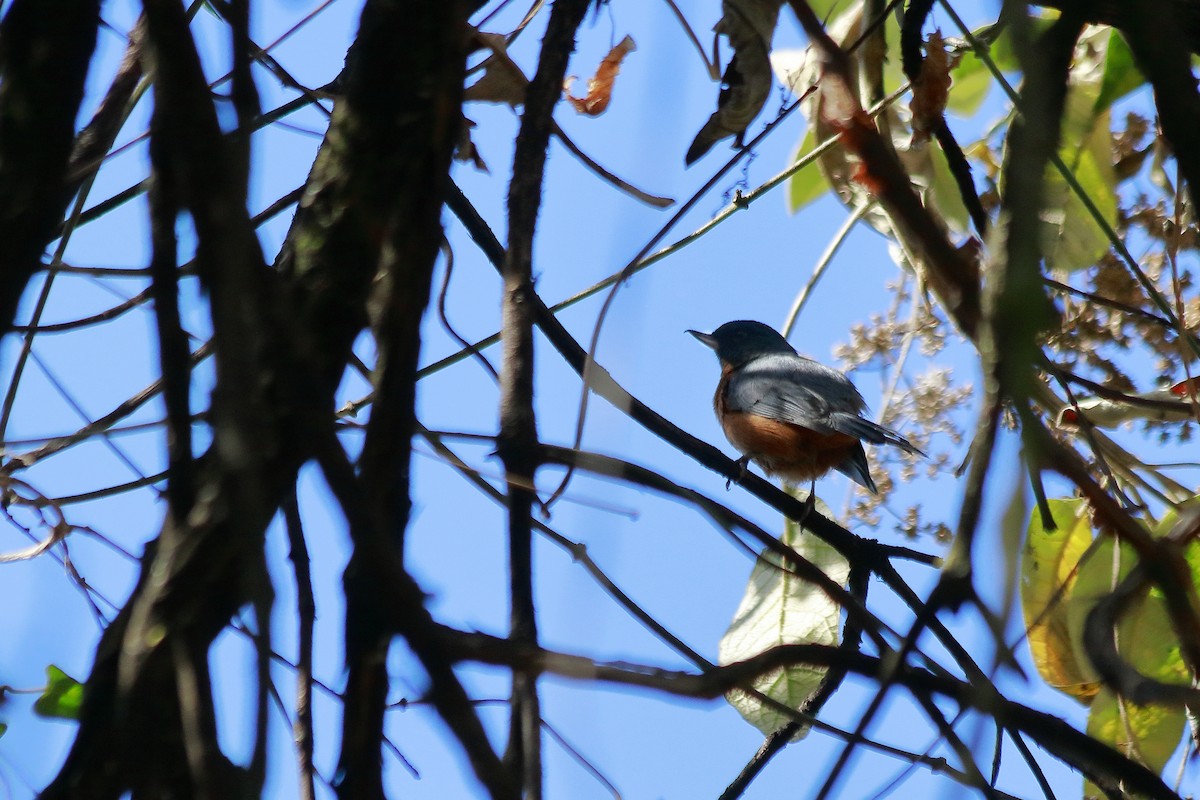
x: 792, y: 416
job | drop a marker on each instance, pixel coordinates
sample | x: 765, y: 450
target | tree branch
x: 518, y: 440
x: 1158, y: 36
x: 952, y: 276
x: 401, y: 600
x: 174, y: 353
x: 280, y: 357
x: 416, y: 54
x: 44, y: 53
x: 1122, y: 15
x: 306, y: 613
x: 911, y: 58
x: 1093, y: 758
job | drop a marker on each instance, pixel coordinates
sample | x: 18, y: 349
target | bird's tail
x: 855, y: 468
x: 868, y: 431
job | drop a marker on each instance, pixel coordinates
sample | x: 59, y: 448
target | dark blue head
x: 742, y: 340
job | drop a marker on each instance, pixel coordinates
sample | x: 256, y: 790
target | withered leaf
x: 932, y: 88
x: 750, y: 27
x: 600, y: 86
x: 465, y: 150
x: 502, y: 80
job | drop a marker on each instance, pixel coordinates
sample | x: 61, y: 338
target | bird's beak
x: 706, y: 339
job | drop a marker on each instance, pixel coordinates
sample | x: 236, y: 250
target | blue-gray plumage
x: 791, y: 415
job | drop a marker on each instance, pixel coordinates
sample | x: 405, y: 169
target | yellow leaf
x: 1049, y: 571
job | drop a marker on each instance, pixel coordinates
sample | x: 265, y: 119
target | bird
x: 791, y: 415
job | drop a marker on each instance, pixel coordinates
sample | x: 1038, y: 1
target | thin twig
x: 711, y: 67
x: 448, y: 259
x: 819, y: 268
x: 306, y: 612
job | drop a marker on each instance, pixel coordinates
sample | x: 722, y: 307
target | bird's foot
x: 744, y: 463
x: 810, y: 504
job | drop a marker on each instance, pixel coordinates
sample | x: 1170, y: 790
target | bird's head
x: 739, y: 341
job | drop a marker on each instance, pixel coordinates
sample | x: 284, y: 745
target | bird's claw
x: 744, y: 463
x: 810, y: 504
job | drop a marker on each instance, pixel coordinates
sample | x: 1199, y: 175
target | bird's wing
x: 793, y: 389
x: 798, y: 390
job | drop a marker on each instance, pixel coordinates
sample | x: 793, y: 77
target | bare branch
x: 1095, y: 759
x: 517, y: 443
x: 1160, y: 45
x: 174, y: 355
x: 397, y: 42
x: 398, y: 597
x: 44, y: 53
x: 306, y: 611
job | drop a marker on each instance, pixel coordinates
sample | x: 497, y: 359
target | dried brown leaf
x: 600, y: 86
x: 750, y: 26
x: 502, y: 81
x: 465, y: 150
x: 932, y: 88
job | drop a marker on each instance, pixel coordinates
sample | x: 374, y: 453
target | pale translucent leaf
x: 778, y: 608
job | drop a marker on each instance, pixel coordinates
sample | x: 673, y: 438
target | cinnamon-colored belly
x: 782, y: 448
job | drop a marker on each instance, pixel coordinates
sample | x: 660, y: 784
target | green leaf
x: 1147, y: 734
x: 62, y: 698
x: 1049, y: 572
x: 893, y: 69
x: 1147, y: 641
x: 828, y: 9
x: 780, y: 608
x: 1121, y: 75
x: 947, y: 199
x: 808, y: 184
x: 972, y: 80
x: 1003, y: 51
x: 1171, y: 518
x: 3, y: 728
x: 1071, y: 236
